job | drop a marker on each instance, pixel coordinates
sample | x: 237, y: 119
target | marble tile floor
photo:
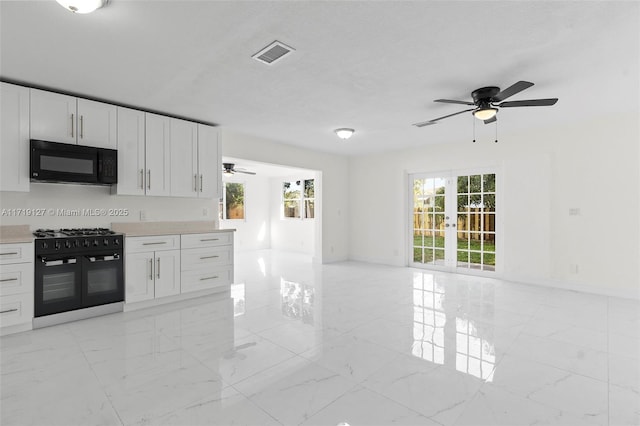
x: 296, y: 343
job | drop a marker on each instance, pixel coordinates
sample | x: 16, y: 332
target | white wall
x: 254, y: 231
x: 51, y: 197
x: 591, y: 166
x: 331, y: 189
x: 296, y: 235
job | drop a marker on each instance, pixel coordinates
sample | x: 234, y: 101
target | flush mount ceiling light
x: 82, y: 6
x: 344, y: 133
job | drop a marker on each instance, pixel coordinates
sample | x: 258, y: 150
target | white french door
x: 453, y: 221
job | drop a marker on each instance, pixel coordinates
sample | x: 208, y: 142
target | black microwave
x: 67, y: 163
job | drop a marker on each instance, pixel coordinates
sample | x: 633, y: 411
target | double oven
x: 76, y: 271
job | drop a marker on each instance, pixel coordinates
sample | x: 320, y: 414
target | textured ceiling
x: 375, y: 66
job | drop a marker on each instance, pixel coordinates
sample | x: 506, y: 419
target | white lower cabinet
x: 16, y: 287
x: 152, y: 267
x: 171, y: 265
x: 207, y: 261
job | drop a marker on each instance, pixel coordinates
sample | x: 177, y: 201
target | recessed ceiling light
x: 344, y: 133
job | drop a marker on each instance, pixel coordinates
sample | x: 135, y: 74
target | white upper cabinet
x: 131, y: 152
x: 14, y: 138
x: 209, y: 162
x: 185, y: 179
x: 158, y: 151
x: 195, y: 160
x: 62, y: 118
x: 96, y: 124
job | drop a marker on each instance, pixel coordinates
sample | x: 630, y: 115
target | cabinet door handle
x: 210, y: 239
x: 151, y: 269
x: 141, y: 178
x: 209, y: 278
x: 81, y: 126
x: 201, y: 183
x: 195, y: 183
x: 9, y: 253
x: 8, y: 310
x: 208, y: 257
x: 149, y: 179
x: 153, y: 244
x: 72, y: 122
x: 8, y: 279
x: 158, y: 268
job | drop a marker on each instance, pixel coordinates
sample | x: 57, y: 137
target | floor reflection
x: 297, y: 300
x: 429, y: 319
x: 238, y: 296
x: 474, y: 353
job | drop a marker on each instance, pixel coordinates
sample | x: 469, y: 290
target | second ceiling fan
x: 229, y: 169
x: 487, y: 100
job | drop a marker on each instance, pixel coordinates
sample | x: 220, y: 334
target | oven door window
x: 57, y: 285
x: 104, y: 279
x: 52, y: 163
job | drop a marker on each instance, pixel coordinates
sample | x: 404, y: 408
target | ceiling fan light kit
x: 344, y: 133
x: 485, y: 113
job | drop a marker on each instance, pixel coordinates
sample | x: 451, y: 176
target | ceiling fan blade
x: 512, y: 90
x: 425, y: 123
x: 450, y: 101
x: 530, y: 102
x: 245, y: 172
x: 451, y: 115
x: 491, y: 120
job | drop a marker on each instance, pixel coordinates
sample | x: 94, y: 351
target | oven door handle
x: 105, y: 258
x: 58, y: 262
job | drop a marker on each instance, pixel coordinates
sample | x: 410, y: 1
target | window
x: 298, y: 198
x: 232, y: 203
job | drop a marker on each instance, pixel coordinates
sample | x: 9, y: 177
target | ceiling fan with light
x: 487, y: 100
x: 229, y: 169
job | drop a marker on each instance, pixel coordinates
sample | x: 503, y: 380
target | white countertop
x: 138, y: 229
x: 15, y: 234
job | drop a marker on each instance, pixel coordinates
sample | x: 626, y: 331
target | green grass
x: 468, y: 250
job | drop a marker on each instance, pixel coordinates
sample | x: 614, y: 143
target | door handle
x: 8, y: 310
x: 151, y: 269
x: 200, y: 183
x: 103, y: 258
x: 195, y: 183
x: 72, y: 125
x: 149, y: 179
x: 58, y: 262
x: 158, y: 268
x: 141, y: 178
x: 81, y: 126
x: 8, y: 279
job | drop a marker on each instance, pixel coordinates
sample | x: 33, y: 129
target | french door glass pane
x: 476, y: 207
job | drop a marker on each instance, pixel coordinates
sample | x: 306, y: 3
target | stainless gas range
x: 79, y: 273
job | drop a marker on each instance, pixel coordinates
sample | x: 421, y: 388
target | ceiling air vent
x: 273, y: 53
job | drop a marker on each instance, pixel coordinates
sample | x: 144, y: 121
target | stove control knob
x: 116, y: 242
x: 86, y: 243
x: 76, y: 243
x: 67, y: 244
x: 57, y: 245
x: 95, y: 243
x: 106, y: 242
x: 45, y: 245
